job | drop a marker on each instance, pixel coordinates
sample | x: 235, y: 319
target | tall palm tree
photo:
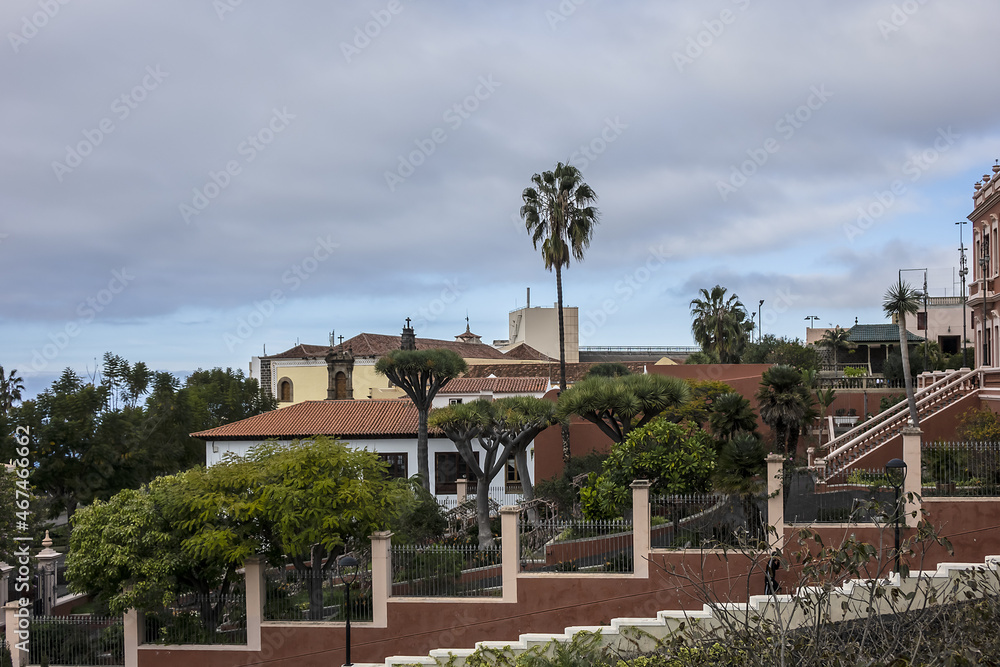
x: 719, y: 324
x: 558, y: 212
x: 11, y: 390
x: 901, y: 300
x: 834, y: 340
x: 729, y: 414
x: 784, y: 403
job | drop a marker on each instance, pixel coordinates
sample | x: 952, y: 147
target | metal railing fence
x: 576, y: 546
x: 703, y: 520
x: 200, y: 619
x: 76, y: 640
x: 304, y: 595
x: 961, y: 469
x: 865, y: 496
x: 441, y: 570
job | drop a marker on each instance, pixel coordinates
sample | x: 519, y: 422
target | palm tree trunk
x: 564, y: 429
x: 423, y: 468
x: 904, y: 353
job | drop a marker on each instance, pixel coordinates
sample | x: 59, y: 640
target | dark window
x: 448, y: 467
x: 284, y: 390
x: 921, y: 321
x: 340, y: 386
x: 950, y: 344
x: 454, y: 401
x: 512, y: 480
x: 397, y: 465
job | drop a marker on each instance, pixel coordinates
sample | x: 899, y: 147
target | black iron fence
x: 576, y: 546
x: 76, y: 640
x: 200, y: 619
x: 961, y: 469
x: 863, y: 496
x: 443, y: 570
x: 693, y: 521
x: 304, y: 595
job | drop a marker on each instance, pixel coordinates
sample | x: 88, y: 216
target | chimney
x: 409, y: 340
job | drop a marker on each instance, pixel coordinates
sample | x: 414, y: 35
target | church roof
x: 527, y: 353
x: 377, y: 345
x: 343, y: 419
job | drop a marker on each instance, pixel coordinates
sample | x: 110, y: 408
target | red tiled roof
x: 497, y: 385
x: 574, y: 372
x: 395, y: 417
x: 377, y: 345
x: 527, y: 353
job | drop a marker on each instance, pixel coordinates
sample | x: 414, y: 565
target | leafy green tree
x: 558, y: 212
x: 619, y: 404
x: 609, y: 369
x: 8, y: 514
x: 697, y: 408
x: 720, y: 324
x: 784, y: 403
x: 982, y: 425
x: 130, y: 551
x: 702, y: 357
x: 421, y: 374
x: 218, y: 397
x: 675, y: 458
x: 306, y: 502
x: 899, y: 301
x: 774, y: 350
x: 730, y: 414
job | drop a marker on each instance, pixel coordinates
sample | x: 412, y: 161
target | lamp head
x: 350, y: 564
x: 895, y: 470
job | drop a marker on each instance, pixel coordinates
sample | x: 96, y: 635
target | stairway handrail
x: 891, y: 415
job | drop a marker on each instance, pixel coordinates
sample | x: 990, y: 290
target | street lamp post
x: 752, y: 325
x: 760, y: 322
x: 895, y: 471
x: 349, y: 563
x: 812, y: 320
x: 962, y: 272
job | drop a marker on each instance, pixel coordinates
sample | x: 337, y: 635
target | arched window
x: 284, y: 390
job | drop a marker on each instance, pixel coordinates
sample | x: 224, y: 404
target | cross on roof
x: 407, y: 322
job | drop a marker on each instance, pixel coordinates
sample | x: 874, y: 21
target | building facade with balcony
x: 985, y: 261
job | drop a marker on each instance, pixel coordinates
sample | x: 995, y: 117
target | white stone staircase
x: 949, y: 582
x: 844, y: 450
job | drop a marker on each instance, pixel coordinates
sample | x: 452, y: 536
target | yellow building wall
x: 308, y: 383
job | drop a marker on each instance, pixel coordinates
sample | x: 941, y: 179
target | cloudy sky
x: 184, y: 183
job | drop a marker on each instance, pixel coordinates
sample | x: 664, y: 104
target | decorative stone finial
x: 47, y: 541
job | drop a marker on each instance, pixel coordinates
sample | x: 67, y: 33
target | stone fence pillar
x: 912, y: 483
x: 510, y: 551
x: 640, y: 528
x: 462, y: 489
x: 381, y: 577
x: 13, y: 614
x: 47, y: 558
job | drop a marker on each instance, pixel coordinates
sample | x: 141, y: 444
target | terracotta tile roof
x: 397, y: 417
x: 497, y: 385
x: 377, y: 345
x: 301, y: 351
x: 527, y: 353
x: 574, y: 372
